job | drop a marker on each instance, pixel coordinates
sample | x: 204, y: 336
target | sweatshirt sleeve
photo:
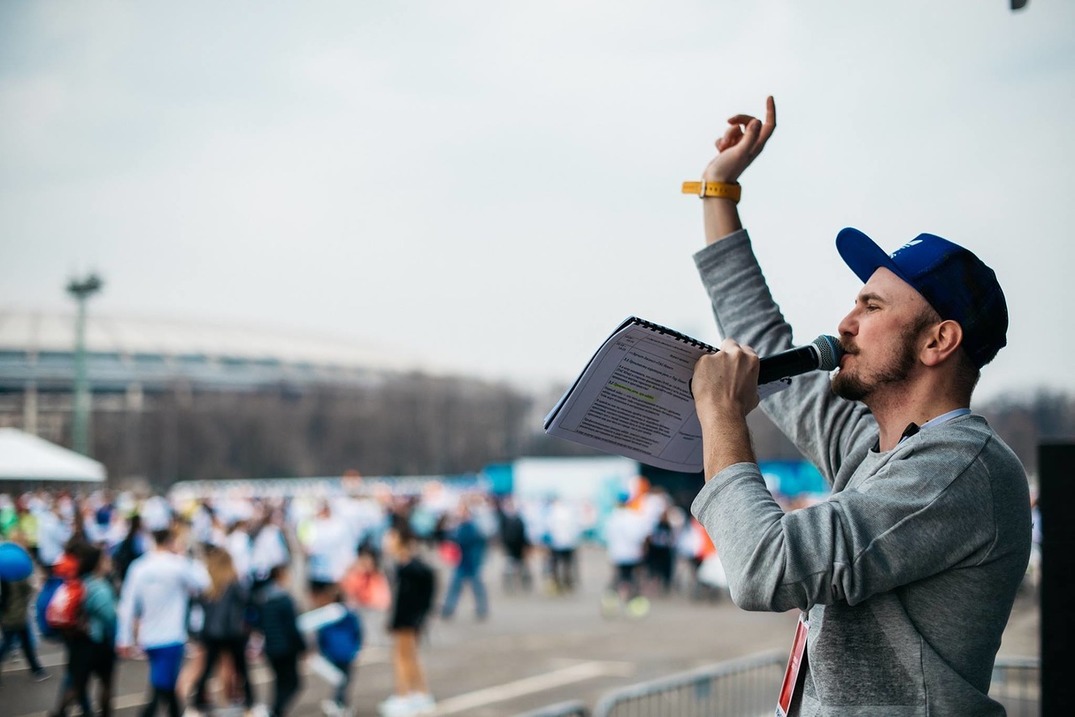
x: 892, y: 529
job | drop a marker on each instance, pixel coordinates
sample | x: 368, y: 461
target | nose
x: 849, y: 325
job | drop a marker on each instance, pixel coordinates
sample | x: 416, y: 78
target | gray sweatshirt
x: 908, y: 570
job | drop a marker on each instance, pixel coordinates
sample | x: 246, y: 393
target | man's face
x: 879, y: 337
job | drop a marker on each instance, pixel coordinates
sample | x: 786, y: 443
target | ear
x: 940, y: 342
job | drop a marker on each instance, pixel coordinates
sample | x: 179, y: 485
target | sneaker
x: 258, y: 710
x: 421, y: 702
x: 638, y: 607
x: 395, y: 706
x: 329, y: 708
x: 41, y: 676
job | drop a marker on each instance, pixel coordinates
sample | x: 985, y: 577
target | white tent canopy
x: 29, y: 458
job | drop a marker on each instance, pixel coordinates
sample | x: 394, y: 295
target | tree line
x: 413, y: 424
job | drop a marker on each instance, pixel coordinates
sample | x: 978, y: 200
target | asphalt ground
x: 534, y: 649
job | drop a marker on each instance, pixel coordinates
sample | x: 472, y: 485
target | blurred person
x: 53, y: 532
x: 330, y: 548
x: 364, y: 584
x: 9, y: 518
x: 268, y: 547
x: 696, y: 547
x: 92, y: 648
x: 90, y: 516
x: 284, y: 644
x: 203, y: 522
x: 364, y: 515
x: 128, y: 550
x: 238, y: 543
x: 468, y: 570
x: 660, y: 552
x: 907, y: 573
x: 339, y: 642
x: 26, y: 527
x: 16, y: 597
x: 626, y: 531
x: 413, y: 592
x: 224, y: 629
x: 152, y: 614
x: 563, y: 533
x: 514, y: 540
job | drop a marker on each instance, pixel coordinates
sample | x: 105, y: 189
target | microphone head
x: 828, y: 352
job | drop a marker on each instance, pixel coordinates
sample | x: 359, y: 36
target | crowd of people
x: 200, y: 587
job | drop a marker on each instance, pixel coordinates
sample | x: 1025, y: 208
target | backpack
x: 44, y: 597
x: 65, y: 613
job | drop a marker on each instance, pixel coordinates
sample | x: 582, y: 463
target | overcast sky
x: 495, y: 185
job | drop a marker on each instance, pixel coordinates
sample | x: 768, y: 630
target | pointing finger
x: 768, y: 127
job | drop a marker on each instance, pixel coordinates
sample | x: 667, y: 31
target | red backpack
x: 64, y: 612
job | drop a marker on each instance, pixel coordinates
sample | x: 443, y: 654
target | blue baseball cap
x: 956, y: 283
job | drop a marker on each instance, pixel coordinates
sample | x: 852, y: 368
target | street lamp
x: 82, y: 290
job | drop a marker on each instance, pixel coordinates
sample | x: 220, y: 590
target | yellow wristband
x: 724, y: 190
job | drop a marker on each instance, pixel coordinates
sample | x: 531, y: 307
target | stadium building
x: 162, y: 389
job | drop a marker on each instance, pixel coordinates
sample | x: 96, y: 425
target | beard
x: 856, y: 387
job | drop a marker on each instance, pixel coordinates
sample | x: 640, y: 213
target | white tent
x: 24, y: 457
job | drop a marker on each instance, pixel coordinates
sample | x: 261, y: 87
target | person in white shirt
x: 153, y: 614
x: 53, y: 532
x: 564, y: 532
x: 268, y: 547
x: 626, y: 531
x: 330, y: 548
x: 240, y: 548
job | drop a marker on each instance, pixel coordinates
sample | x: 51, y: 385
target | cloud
x: 459, y: 177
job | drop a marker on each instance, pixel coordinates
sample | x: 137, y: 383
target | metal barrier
x: 745, y: 687
x: 1017, y: 685
x: 574, y: 708
x: 748, y: 687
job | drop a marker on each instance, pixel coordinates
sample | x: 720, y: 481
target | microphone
x: 822, y: 354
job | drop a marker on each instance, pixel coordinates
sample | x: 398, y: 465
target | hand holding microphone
x: 731, y: 376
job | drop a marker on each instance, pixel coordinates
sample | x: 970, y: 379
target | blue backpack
x: 41, y: 605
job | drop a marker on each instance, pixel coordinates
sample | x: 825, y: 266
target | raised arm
x: 742, y: 142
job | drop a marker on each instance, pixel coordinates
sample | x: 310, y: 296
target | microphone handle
x: 787, y: 363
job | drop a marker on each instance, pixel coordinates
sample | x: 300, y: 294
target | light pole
x: 82, y: 290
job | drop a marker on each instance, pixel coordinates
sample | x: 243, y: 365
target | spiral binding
x: 677, y: 335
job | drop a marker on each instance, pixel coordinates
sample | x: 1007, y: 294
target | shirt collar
x: 913, y: 428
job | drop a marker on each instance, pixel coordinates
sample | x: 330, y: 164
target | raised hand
x: 742, y: 142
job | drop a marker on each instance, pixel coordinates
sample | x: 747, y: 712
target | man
x: 468, y: 570
x: 152, y: 613
x: 907, y: 573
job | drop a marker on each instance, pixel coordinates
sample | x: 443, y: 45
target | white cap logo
x: 908, y: 245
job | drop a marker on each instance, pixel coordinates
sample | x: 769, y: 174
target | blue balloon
x: 15, y: 562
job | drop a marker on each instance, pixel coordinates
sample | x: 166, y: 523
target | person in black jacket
x: 414, y: 588
x: 224, y: 628
x: 283, y: 641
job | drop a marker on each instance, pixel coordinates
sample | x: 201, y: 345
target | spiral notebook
x: 633, y: 398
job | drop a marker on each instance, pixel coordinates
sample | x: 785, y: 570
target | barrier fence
x: 739, y: 688
x: 747, y: 687
x: 574, y: 708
